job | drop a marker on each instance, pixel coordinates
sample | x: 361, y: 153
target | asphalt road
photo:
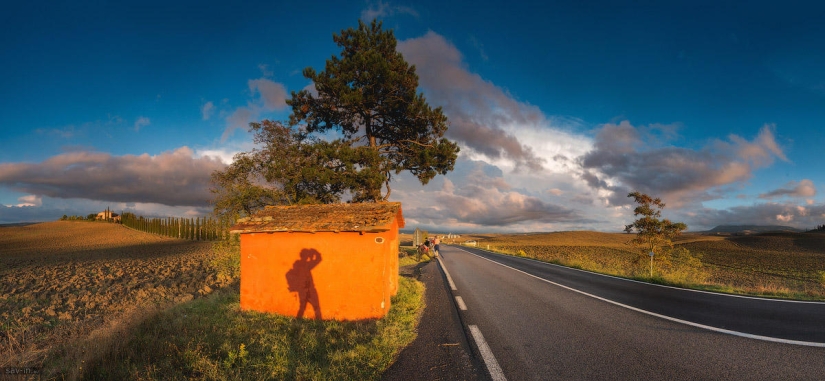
x: 543, y: 327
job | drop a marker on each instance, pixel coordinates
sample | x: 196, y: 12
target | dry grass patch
x: 789, y: 265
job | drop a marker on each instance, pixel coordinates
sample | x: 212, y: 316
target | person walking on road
x: 436, y: 242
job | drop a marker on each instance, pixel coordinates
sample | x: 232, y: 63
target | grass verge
x: 678, y: 268
x: 212, y: 339
x: 410, y: 257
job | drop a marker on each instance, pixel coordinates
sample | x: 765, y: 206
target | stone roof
x: 362, y: 217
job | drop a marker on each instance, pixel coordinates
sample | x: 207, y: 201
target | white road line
x: 487, y: 355
x: 447, y: 273
x: 460, y: 303
x: 690, y: 323
x: 663, y: 285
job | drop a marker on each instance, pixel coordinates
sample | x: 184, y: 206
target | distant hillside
x: 751, y: 229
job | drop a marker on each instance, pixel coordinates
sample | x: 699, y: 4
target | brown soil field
x: 71, y: 290
x: 771, y: 264
x: 786, y: 262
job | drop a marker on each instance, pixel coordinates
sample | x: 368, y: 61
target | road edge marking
x: 768, y: 299
x: 460, y: 303
x: 487, y: 355
x: 673, y: 319
x: 447, y: 273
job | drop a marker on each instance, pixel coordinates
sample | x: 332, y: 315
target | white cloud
x: 477, y: 196
x: 555, y: 191
x: 271, y: 96
x: 207, y: 110
x: 532, y: 151
x: 239, y: 119
x: 803, y: 188
x: 480, y: 47
x: 311, y: 89
x: 30, y: 200
x: 16, y: 214
x: 226, y: 152
x: 65, y: 132
x: 224, y: 156
x: 381, y: 9
x: 784, y: 218
x: 265, y: 71
x: 141, y: 122
x: 762, y: 150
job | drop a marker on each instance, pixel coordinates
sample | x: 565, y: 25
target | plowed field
x: 69, y: 288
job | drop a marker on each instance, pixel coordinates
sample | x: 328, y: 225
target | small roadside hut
x: 332, y: 261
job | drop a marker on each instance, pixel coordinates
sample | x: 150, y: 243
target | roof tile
x: 360, y: 217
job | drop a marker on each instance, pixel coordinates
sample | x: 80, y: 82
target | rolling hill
x: 751, y: 229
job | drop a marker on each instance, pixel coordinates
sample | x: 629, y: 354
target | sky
x: 560, y: 108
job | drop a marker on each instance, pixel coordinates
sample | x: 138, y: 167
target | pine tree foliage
x: 365, y: 123
x: 287, y: 167
x: 369, y: 96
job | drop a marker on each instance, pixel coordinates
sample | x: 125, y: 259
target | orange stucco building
x: 334, y: 261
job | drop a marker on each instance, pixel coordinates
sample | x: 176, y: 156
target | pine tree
x: 370, y: 96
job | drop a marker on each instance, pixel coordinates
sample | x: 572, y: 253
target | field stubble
x: 69, y: 285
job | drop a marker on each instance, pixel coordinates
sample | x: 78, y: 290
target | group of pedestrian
x: 430, y: 245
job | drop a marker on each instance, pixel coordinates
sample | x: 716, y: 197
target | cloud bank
x: 626, y: 158
x: 482, y: 116
x: 476, y: 196
x: 170, y: 178
x: 589, y: 176
x: 769, y: 213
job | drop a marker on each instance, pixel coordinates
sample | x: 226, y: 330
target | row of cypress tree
x: 196, y: 229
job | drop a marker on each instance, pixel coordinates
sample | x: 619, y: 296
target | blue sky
x: 560, y: 109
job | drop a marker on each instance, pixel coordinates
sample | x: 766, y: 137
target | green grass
x: 410, y: 256
x: 212, y: 339
x: 227, y: 259
x: 406, y: 261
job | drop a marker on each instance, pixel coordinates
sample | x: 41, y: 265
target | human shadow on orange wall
x: 299, y: 279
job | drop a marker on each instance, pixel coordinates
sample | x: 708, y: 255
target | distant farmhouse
x: 107, y: 215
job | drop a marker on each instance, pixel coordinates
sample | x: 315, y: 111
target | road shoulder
x: 440, y: 351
